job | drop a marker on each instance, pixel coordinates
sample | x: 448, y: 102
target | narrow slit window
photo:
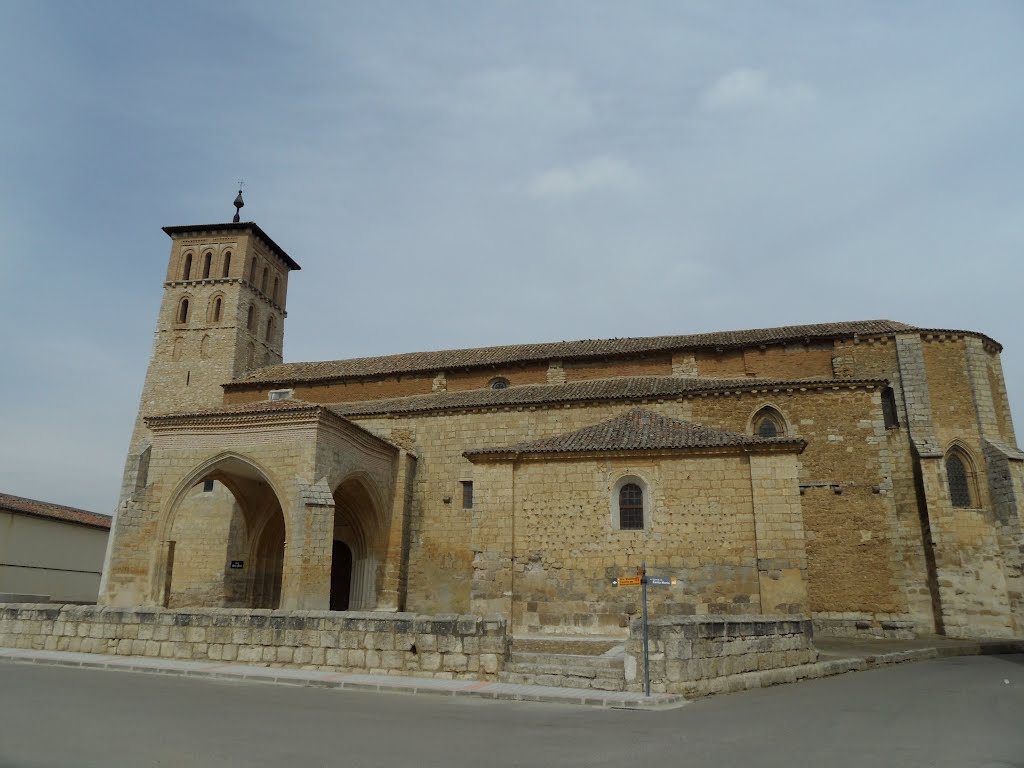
x: 207, y: 486
x: 889, y: 413
x: 227, y: 264
x: 183, y: 311
x: 270, y: 328
x: 467, y: 494
x: 252, y: 272
x: 250, y: 320
x: 207, y: 265
x: 263, y: 282
x: 216, y: 309
x: 186, y: 274
x: 277, y: 288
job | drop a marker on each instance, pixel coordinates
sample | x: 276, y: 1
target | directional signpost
x: 642, y: 580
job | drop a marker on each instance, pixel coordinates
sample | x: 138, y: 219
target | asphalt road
x: 962, y: 713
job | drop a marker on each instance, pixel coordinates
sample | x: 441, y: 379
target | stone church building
x: 864, y: 474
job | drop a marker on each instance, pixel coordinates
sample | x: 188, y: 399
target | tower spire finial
x: 239, y: 202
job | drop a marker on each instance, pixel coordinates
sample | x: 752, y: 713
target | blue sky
x: 465, y: 174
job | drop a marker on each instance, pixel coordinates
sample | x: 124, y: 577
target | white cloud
x: 598, y: 173
x: 750, y: 89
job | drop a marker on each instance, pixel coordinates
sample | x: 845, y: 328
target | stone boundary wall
x: 698, y: 655
x: 446, y: 646
x: 865, y: 625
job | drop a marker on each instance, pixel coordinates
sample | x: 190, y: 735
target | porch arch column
x: 306, y: 581
x: 393, y: 585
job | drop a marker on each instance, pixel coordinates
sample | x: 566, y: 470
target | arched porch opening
x: 223, y: 539
x: 355, y: 557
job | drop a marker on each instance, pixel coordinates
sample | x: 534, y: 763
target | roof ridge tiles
x: 641, y: 429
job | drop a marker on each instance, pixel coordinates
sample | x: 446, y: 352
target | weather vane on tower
x: 239, y: 202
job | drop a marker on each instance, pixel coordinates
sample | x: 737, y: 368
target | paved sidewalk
x: 352, y: 681
x: 836, y: 657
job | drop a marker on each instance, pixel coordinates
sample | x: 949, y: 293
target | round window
x: 499, y: 383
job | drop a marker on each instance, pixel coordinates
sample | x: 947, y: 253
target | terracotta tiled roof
x: 289, y: 405
x: 641, y: 430
x: 627, y: 388
x: 454, y: 359
x: 261, y: 408
x: 9, y: 503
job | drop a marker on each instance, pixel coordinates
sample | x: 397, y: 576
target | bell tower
x: 222, y: 315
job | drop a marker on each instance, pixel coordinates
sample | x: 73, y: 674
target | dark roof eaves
x: 236, y: 226
x: 778, y: 445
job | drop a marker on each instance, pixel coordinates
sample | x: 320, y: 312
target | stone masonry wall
x: 714, y: 654
x: 567, y: 549
x: 443, y: 646
x: 854, y: 564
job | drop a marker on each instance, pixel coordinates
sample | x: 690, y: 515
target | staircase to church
x: 567, y: 662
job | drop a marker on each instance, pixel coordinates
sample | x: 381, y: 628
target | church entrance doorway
x: 356, y: 541
x: 341, y: 576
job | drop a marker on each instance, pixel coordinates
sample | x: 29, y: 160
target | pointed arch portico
x: 287, y: 475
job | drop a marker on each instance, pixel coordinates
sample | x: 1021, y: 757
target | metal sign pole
x: 647, y: 659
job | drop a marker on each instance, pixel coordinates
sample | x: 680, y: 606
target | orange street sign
x: 628, y: 581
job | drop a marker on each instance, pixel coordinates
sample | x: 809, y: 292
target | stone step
x: 563, y: 681
x: 565, y: 661
x: 575, y: 645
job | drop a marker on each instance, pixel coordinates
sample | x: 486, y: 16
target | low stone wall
x: 698, y: 655
x: 864, y: 626
x: 440, y: 646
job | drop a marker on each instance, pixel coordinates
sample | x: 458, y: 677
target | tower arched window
x: 768, y: 422
x: 277, y: 287
x: 252, y: 272
x: 270, y: 329
x: 216, y: 309
x: 263, y: 282
x: 207, y: 265
x: 960, y: 475
x: 183, y: 311
x: 186, y: 273
x: 250, y: 320
x: 227, y: 264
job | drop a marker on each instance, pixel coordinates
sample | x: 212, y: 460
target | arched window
x: 183, y: 311
x: 960, y: 475
x: 186, y: 273
x: 227, y: 264
x: 263, y: 282
x: 216, y: 309
x: 277, y: 286
x: 252, y: 272
x: 250, y: 320
x: 252, y: 355
x: 207, y: 265
x: 499, y: 383
x: 631, y: 507
x: 204, y: 347
x: 270, y: 329
x: 768, y: 422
